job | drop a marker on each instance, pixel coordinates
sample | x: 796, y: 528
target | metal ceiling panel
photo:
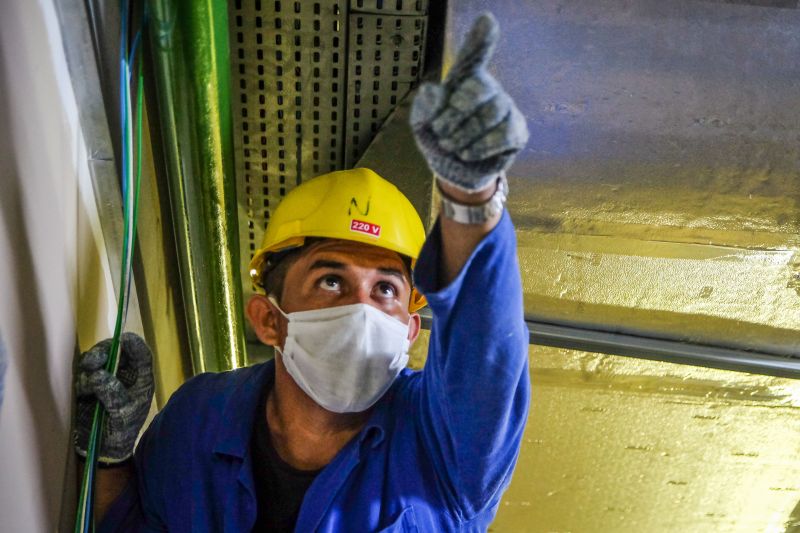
x: 385, y: 63
x: 288, y: 73
x: 313, y: 83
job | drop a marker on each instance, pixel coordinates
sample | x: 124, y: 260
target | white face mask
x: 345, y: 358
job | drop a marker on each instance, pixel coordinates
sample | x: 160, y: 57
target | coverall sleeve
x: 474, y: 393
x: 133, y: 510
x: 126, y: 514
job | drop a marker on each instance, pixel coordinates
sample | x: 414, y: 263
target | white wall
x: 55, y: 296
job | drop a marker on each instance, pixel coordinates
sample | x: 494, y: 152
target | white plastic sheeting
x: 54, y: 281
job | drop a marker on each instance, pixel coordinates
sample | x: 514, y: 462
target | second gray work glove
x: 126, y: 397
x: 468, y: 128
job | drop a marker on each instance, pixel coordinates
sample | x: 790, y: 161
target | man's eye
x: 387, y: 290
x: 330, y: 283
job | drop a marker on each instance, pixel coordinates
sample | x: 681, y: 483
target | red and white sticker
x: 367, y: 228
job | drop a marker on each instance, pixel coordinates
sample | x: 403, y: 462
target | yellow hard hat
x: 354, y: 205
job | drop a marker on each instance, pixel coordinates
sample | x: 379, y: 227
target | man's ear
x: 414, y: 327
x: 265, y: 319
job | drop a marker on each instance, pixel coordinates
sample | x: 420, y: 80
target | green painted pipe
x: 189, y: 43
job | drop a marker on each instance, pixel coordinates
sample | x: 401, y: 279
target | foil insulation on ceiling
x: 658, y: 195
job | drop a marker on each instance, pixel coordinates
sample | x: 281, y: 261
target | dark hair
x: 274, y: 274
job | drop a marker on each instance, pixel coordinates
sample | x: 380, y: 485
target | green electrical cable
x: 85, y: 521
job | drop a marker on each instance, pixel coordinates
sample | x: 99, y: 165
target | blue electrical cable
x: 123, y: 90
x: 135, y: 45
x: 131, y: 59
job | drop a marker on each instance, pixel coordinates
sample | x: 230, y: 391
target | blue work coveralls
x: 436, y: 454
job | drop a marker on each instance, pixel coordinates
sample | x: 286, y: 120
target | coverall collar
x: 239, y: 412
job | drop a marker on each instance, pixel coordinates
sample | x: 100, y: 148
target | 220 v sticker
x: 367, y: 228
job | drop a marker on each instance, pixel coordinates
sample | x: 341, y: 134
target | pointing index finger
x: 477, y: 48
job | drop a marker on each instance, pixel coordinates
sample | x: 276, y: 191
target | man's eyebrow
x: 388, y: 271
x: 326, y: 263
x: 337, y: 265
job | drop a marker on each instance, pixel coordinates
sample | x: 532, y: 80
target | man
x: 335, y: 434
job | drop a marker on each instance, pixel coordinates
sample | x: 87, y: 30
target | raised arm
x: 469, y: 130
x: 474, y: 393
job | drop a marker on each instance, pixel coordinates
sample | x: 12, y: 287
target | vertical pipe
x: 189, y: 42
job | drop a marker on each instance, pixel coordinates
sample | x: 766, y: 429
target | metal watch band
x: 476, y: 214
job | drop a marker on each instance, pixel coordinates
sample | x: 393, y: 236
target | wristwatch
x: 476, y: 214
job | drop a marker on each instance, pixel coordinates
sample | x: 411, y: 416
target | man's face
x: 332, y: 273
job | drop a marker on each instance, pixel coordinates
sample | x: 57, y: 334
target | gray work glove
x: 126, y: 397
x: 468, y: 128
